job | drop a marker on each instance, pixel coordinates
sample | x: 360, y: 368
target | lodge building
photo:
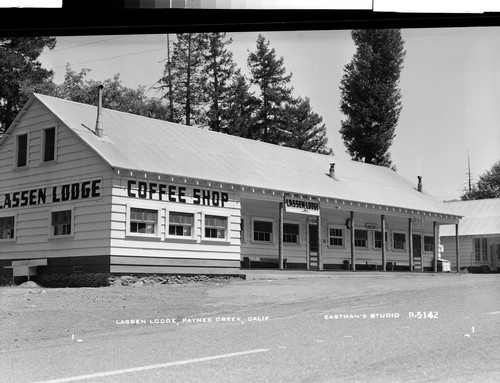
x: 88, y: 189
x: 479, y: 236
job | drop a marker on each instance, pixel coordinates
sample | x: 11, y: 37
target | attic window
x: 22, y: 150
x: 49, y: 144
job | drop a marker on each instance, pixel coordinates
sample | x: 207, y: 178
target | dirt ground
x: 32, y: 316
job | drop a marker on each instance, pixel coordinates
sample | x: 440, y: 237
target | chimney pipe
x: 332, y: 170
x: 98, y: 125
x: 419, y: 186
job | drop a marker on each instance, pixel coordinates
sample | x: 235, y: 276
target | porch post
x: 382, y: 223
x: 410, y: 242
x: 280, y: 240
x: 353, y: 255
x: 457, y: 248
x: 435, y: 249
x: 320, y: 257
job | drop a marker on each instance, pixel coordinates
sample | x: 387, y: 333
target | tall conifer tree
x: 184, y: 78
x: 269, y: 75
x: 370, y: 97
x: 220, y: 71
x: 305, y: 129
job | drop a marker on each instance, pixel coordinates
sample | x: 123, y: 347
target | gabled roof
x: 136, y: 143
x: 481, y: 218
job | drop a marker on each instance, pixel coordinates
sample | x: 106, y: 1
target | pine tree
x: 184, y: 74
x: 269, y: 75
x: 370, y: 98
x: 305, y: 130
x: 241, y: 105
x: 220, y: 70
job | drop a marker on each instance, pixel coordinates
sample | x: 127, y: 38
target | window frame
x: 365, y: 246
x: 43, y: 150
x: 60, y: 209
x: 204, y: 226
x: 16, y: 150
x: 374, y: 241
x: 167, y: 225
x: 157, y: 234
x: 336, y: 227
x: 477, y: 249
x: 425, y: 244
x: 484, y: 249
x: 297, y: 224
x: 263, y: 219
x: 394, y: 241
x: 14, y: 229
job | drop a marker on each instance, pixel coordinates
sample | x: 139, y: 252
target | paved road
x: 359, y: 329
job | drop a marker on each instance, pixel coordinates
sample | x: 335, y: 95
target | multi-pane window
x: 290, y: 233
x: 180, y: 224
x: 61, y: 223
x: 6, y: 227
x: 215, y: 227
x: 336, y: 237
x: 477, y: 249
x: 22, y: 150
x: 484, y: 248
x: 399, y: 241
x: 49, y: 144
x: 360, y: 238
x: 262, y: 231
x: 378, y: 239
x: 428, y: 243
x: 143, y: 221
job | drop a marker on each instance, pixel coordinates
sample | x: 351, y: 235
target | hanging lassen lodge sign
x: 299, y: 206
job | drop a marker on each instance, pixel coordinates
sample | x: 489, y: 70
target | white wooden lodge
x: 479, y: 235
x: 86, y: 189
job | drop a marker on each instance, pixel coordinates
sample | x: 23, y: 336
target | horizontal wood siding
x: 163, y: 252
x: 75, y: 163
x: 466, y: 252
x: 258, y: 209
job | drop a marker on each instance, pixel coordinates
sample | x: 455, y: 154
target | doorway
x: 495, y: 255
x: 313, y: 246
x: 417, y: 252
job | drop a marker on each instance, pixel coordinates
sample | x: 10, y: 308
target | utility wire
x: 110, y: 58
x: 82, y: 45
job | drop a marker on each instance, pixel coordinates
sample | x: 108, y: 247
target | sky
x: 450, y: 87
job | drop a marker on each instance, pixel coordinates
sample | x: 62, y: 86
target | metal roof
x: 147, y: 145
x: 481, y: 217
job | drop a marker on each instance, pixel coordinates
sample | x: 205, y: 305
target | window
x: 477, y: 249
x: 180, y: 224
x: 49, y: 144
x: 428, y: 243
x: 143, y: 221
x: 22, y: 150
x: 399, y: 241
x: 242, y: 230
x: 6, y: 227
x: 262, y: 231
x: 335, y: 237
x: 484, y: 248
x: 215, y: 227
x: 290, y: 233
x: 360, y: 238
x: 61, y: 223
x: 378, y: 239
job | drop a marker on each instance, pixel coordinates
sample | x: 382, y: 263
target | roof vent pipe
x: 332, y: 170
x: 98, y: 125
x: 419, y: 186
